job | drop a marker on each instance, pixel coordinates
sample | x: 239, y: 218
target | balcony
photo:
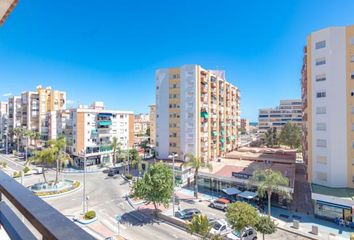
x: 47, y: 221
x: 204, y: 115
x: 104, y: 123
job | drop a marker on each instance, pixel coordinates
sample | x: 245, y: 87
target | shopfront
x: 332, y: 211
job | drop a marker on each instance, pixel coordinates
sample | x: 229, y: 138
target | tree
x: 36, y: 136
x: 270, y: 137
x: 116, y: 148
x: 18, y: 132
x: 43, y: 157
x: 199, y: 225
x: 133, y: 156
x: 241, y: 215
x: 144, y: 146
x: 137, y: 162
x: 58, y: 150
x: 290, y: 135
x: 155, y: 186
x: 147, y: 133
x: 265, y: 226
x: 196, y: 163
x: 267, y: 182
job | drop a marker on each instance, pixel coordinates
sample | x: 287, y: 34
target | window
x: 352, y: 126
x: 321, y: 44
x: 321, y: 176
x: 352, y: 93
x: 321, y: 77
x: 321, y: 159
x: 320, y: 110
x: 321, y: 126
x: 321, y: 94
x: 322, y: 143
x: 320, y: 61
x: 352, y: 76
x: 352, y: 58
x: 353, y: 144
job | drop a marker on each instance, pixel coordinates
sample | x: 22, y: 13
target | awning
x: 231, y: 191
x: 248, y: 195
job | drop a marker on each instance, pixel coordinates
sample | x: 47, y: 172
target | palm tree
x: 137, y: 162
x: 43, y: 157
x: 28, y: 135
x: 133, y: 156
x: 267, y: 182
x: 58, y: 147
x: 196, y: 163
x: 200, y: 225
x: 18, y: 131
x: 116, y: 148
x: 36, y: 136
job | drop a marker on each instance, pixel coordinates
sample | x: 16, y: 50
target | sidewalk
x: 284, y: 219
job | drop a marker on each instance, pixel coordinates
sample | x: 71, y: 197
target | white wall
x: 162, y: 113
x: 335, y: 102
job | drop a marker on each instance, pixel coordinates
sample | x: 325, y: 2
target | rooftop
x: 345, y: 193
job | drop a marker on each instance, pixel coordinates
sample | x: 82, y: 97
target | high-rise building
x: 90, y: 131
x: 14, y: 110
x: 245, y: 125
x: 3, y: 121
x: 6, y: 7
x: 287, y: 111
x: 152, y: 125
x: 328, y: 95
x: 197, y: 112
x: 141, y: 124
x: 328, y: 113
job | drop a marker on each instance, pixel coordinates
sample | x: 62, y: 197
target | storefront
x: 332, y: 211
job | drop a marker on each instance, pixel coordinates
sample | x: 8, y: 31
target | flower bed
x: 74, y: 186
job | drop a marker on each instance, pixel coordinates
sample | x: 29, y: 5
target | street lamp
x: 173, y: 156
x: 84, y: 188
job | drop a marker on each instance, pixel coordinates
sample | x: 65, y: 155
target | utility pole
x: 84, y: 187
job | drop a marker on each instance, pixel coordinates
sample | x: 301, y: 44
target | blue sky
x: 109, y: 50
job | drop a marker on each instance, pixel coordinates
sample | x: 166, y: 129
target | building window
x: 352, y: 93
x: 321, y: 176
x: 352, y: 58
x: 321, y: 159
x: 320, y: 61
x: 353, y: 144
x: 321, y: 44
x: 321, y: 77
x: 352, y: 76
x: 322, y: 143
x: 321, y: 126
x: 321, y: 94
x: 320, y: 110
x: 352, y: 126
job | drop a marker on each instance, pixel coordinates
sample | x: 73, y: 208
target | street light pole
x: 173, y: 156
x: 84, y: 188
x: 6, y: 144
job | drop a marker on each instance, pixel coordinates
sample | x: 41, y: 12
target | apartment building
x: 14, y: 111
x: 141, y: 124
x: 245, y: 125
x: 152, y: 125
x: 328, y: 129
x: 90, y: 130
x: 287, y: 111
x: 197, y: 112
x: 3, y: 121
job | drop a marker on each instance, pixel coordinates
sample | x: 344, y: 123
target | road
x: 106, y: 197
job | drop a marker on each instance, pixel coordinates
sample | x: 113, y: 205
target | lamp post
x: 173, y: 156
x: 84, y: 187
x: 6, y: 144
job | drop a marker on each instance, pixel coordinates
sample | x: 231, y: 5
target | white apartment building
x: 287, y: 111
x: 141, y: 124
x: 90, y: 130
x: 328, y: 96
x: 197, y: 112
x: 3, y: 121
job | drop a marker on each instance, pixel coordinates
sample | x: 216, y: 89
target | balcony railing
x: 46, y: 220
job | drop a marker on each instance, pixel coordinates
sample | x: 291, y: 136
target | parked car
x: 113, y: 171
x: 187, y: 214
x: 221, y: 203
x: 220, y: 227
x: 247, y: 234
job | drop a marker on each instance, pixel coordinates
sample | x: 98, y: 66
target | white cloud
x: 7, y: 94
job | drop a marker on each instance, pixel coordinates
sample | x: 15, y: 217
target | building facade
x: 89, y: 131
x: 153, y: 125
x: 3, y: 121
x: 245, y: 125
x: 14, y: 113
x: 197, y: 112
x: 141, y: 124
x: 328, y: 129
x: 287, y: 111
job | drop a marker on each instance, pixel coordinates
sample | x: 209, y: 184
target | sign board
x: 118, y: 217
x: 241, y: 175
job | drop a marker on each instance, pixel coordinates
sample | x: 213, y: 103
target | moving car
x: 247, y: 234
x: 221, y: 203
x: 220, y: 227
x: 113, y: 171
x: 187, y: 214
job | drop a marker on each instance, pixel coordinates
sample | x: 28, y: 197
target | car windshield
x: 217, y: 226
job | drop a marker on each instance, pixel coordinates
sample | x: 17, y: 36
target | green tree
x: 271, y: 137
x: 155, y: 186
x: 43, y: 157
x: 137, y: 162
x: 36, y: 136
x: 265, y: 226
x: 116, y: 149
x: 241, y: 215
x: 147, y: 133
x: 196, y: 163
x: 58, y: 150
x: 290, y: 135
x: 144, y: 146
x: 199, y: 225
x: 133, y: 156
x: 267, y: 182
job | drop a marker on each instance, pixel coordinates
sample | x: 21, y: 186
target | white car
x: 220, y: 227
x: 247, y: 234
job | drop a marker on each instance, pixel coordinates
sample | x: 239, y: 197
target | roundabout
x: 50, y: 189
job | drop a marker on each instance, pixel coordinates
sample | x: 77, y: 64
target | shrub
x: 129, y: 176
x: 26, y: 170
x: 16, y: 174
x: 4, y: 164
x: 90, y: 215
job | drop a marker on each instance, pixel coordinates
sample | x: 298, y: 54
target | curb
x: 298, y: 233
x: 61, y: 194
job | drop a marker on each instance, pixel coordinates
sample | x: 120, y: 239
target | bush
x: 129, y: 176
x: 90, y: 215
x: 26, y: 170
x: 16, y: 174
